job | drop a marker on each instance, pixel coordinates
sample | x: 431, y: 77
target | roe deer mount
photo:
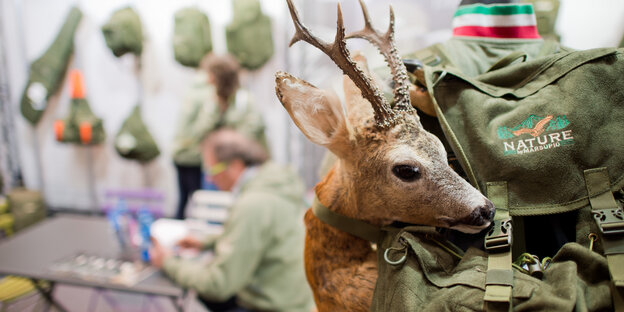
x: 388, y: 169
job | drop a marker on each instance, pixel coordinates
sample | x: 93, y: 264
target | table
x: 31, y: 252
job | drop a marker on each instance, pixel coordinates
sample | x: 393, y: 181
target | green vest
x: 47, y: 72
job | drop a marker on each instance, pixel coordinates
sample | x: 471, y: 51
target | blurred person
x: 213, y: 100
x: 258, y: 260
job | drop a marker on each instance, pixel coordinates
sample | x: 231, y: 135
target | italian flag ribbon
x: 496, y: 21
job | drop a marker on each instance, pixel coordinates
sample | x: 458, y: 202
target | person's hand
x: 190, y: 242
x: 158, y: 253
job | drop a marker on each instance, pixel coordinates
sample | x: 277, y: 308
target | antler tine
x: 385, y: 45
x: 338, y: 53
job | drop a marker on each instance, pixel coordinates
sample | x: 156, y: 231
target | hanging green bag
x: 123, y: 32
x: 191, y: 36
x: 48, y: 71
x: 134, y: 141
x: 81, y: 126
x: 249, y: 36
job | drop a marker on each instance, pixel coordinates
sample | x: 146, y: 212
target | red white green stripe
x: 496, y: 20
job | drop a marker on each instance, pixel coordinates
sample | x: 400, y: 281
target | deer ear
x: 318, y: 113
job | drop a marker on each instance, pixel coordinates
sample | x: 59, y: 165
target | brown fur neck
x: 340, y: 267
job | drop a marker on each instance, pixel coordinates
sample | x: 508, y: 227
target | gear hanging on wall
x: 123, y: 32
x: 81, y: 126
x: 191, y: 36
x: 134, y: 141
x: 249, y: 36
x: 47, y: 72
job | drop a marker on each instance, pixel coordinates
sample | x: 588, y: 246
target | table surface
x: 31, y: 252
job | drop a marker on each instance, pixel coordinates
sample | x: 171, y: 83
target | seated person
x: 258, y: 260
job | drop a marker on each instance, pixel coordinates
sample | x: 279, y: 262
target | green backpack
x: 540, y: 138
x: 191, y: 36
x: 249, y: 36
x: 123, y: 32
x: 134, y: 141
x: 47, y: 72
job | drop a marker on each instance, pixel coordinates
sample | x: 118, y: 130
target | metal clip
x: 610, y: 221
x: 535, y: 268
x: 499, y: 237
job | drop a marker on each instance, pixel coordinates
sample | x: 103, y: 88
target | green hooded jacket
x: 259, y: 256
x: 199, y: 115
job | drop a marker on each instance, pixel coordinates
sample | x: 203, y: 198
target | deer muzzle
x: 480, y: 216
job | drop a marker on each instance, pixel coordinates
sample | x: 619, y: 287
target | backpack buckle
x: 610, y: 221
x: 499, y: 237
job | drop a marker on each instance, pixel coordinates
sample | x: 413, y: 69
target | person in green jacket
x: 213, y: 100
x: 258, y: 259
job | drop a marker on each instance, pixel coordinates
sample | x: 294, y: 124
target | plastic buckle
x: 499, y: 237
x: 610, y: 221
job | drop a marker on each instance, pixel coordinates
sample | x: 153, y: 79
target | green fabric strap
x: 499, y: 276
x: 354, y: 227
x: 450, y: 136
x: 507, y: 60
x: 603, y: 204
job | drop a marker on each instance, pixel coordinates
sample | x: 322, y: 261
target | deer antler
x: 385, y: 45
x: 338, y: 53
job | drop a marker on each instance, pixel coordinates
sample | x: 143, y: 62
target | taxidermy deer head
x: 389, y: 167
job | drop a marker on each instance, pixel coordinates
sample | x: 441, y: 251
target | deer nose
x: 481, y: 215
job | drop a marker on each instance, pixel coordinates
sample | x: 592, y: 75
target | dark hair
x: 228, y: 144
x: 225, y: 69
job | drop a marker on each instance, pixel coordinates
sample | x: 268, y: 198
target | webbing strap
x: 355, y: 227
x: 499, y: 276
x: 608, y: 215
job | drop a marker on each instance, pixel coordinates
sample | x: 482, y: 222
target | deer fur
x: 368, y: 181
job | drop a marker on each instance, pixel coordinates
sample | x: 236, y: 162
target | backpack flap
x: 537, y: 125
x: 420, y: 271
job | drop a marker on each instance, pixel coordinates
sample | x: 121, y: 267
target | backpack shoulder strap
x: 499, y: 275
x: 609, y: 217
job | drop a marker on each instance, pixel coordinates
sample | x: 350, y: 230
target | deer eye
x: 406, y: 173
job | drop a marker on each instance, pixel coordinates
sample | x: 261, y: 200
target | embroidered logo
x: 536, y: 134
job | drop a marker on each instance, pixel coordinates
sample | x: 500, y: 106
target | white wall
x: 112, y: 87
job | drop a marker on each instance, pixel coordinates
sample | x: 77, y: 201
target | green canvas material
x: 507, y: 117
x: 47, y: 72
x: 26, y: 206
x: 249, y: 36
x: 432, y: 279
x: 79, y: 113
x: 134, y: 141
x: 546, y: 12
x: 123, y: 32
x: 191, y: 36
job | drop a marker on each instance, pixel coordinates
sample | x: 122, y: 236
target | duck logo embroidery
x: 536, y: 134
